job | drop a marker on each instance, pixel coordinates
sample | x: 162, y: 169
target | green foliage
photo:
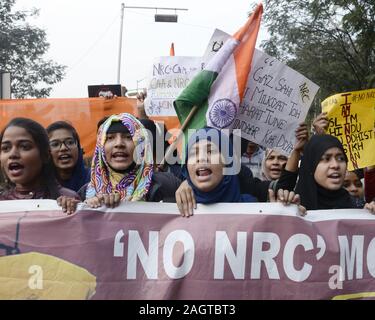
x: 332, y: 42
x: 22, y: 47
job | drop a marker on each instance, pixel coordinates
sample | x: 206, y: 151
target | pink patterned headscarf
x: 133, y: 185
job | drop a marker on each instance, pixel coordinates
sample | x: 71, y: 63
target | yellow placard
x: 353, y: 296
x: 37, y: 276
x: 352, y: 120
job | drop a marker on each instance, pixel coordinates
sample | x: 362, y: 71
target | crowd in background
x: 48, y: 163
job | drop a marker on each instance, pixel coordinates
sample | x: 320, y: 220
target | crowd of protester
x: 48, y: 163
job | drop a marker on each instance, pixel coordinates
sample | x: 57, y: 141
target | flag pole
x: 180, y: 134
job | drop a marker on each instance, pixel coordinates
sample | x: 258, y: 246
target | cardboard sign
x: 276, y: 100
x: 170, y: 75
x: 352, y: 120
x: 217, y: 40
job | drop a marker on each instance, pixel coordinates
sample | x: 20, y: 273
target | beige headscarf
x: 265, y: 174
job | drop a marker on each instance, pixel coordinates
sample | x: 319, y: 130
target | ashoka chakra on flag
x: 223, y: 113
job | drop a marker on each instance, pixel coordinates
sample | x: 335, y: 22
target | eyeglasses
x: 56, y: 144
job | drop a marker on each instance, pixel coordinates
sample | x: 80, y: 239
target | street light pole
x: 120, y: 44
x: 158, y: 18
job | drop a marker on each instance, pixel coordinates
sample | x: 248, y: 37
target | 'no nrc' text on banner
x: 258, y: 251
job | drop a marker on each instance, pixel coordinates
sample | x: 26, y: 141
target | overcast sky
x: 84, y: 36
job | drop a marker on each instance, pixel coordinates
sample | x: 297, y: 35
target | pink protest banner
x: 147, y: 251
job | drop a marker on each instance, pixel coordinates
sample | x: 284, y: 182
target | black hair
x: 244, y: 143
x: 151, y: 127
x: 41, y: 140
x: 117, y: 127
x: 100, y: 122
x: 67, y: 126
x: 64, y: 125
x: 359, y: 173
x: 157, y: 136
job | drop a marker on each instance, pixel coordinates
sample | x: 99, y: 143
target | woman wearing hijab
x: 273, y: 164
x: 321, y: 175
x: 67, y: 155
x: 122, y: 166
x: 251, y: 157
x: 263, y: 191
x: 210, y: 171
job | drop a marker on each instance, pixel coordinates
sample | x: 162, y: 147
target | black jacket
x: 253, y: 186
x: 163, y: 187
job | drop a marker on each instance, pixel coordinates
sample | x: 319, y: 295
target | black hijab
x: 314, y: 196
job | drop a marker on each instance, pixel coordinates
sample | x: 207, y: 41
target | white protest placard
x: 217, y: 40
x: 170, y: 75
x: 276, y: 100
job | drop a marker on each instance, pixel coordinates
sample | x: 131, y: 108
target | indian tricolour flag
x: 218, y: 89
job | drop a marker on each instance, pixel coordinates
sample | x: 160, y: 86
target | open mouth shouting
x: 206, y: 176
x: 65, y: 158
x: 15, y: 169
x: 203, y: 174
x: 120, y: 156
x: 275, y: 171
x: 120, y: 160
x: 335, y: 177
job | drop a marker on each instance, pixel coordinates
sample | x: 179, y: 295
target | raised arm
x: 288, y: 178
x: 320, y: 123
x: 141, y: 105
